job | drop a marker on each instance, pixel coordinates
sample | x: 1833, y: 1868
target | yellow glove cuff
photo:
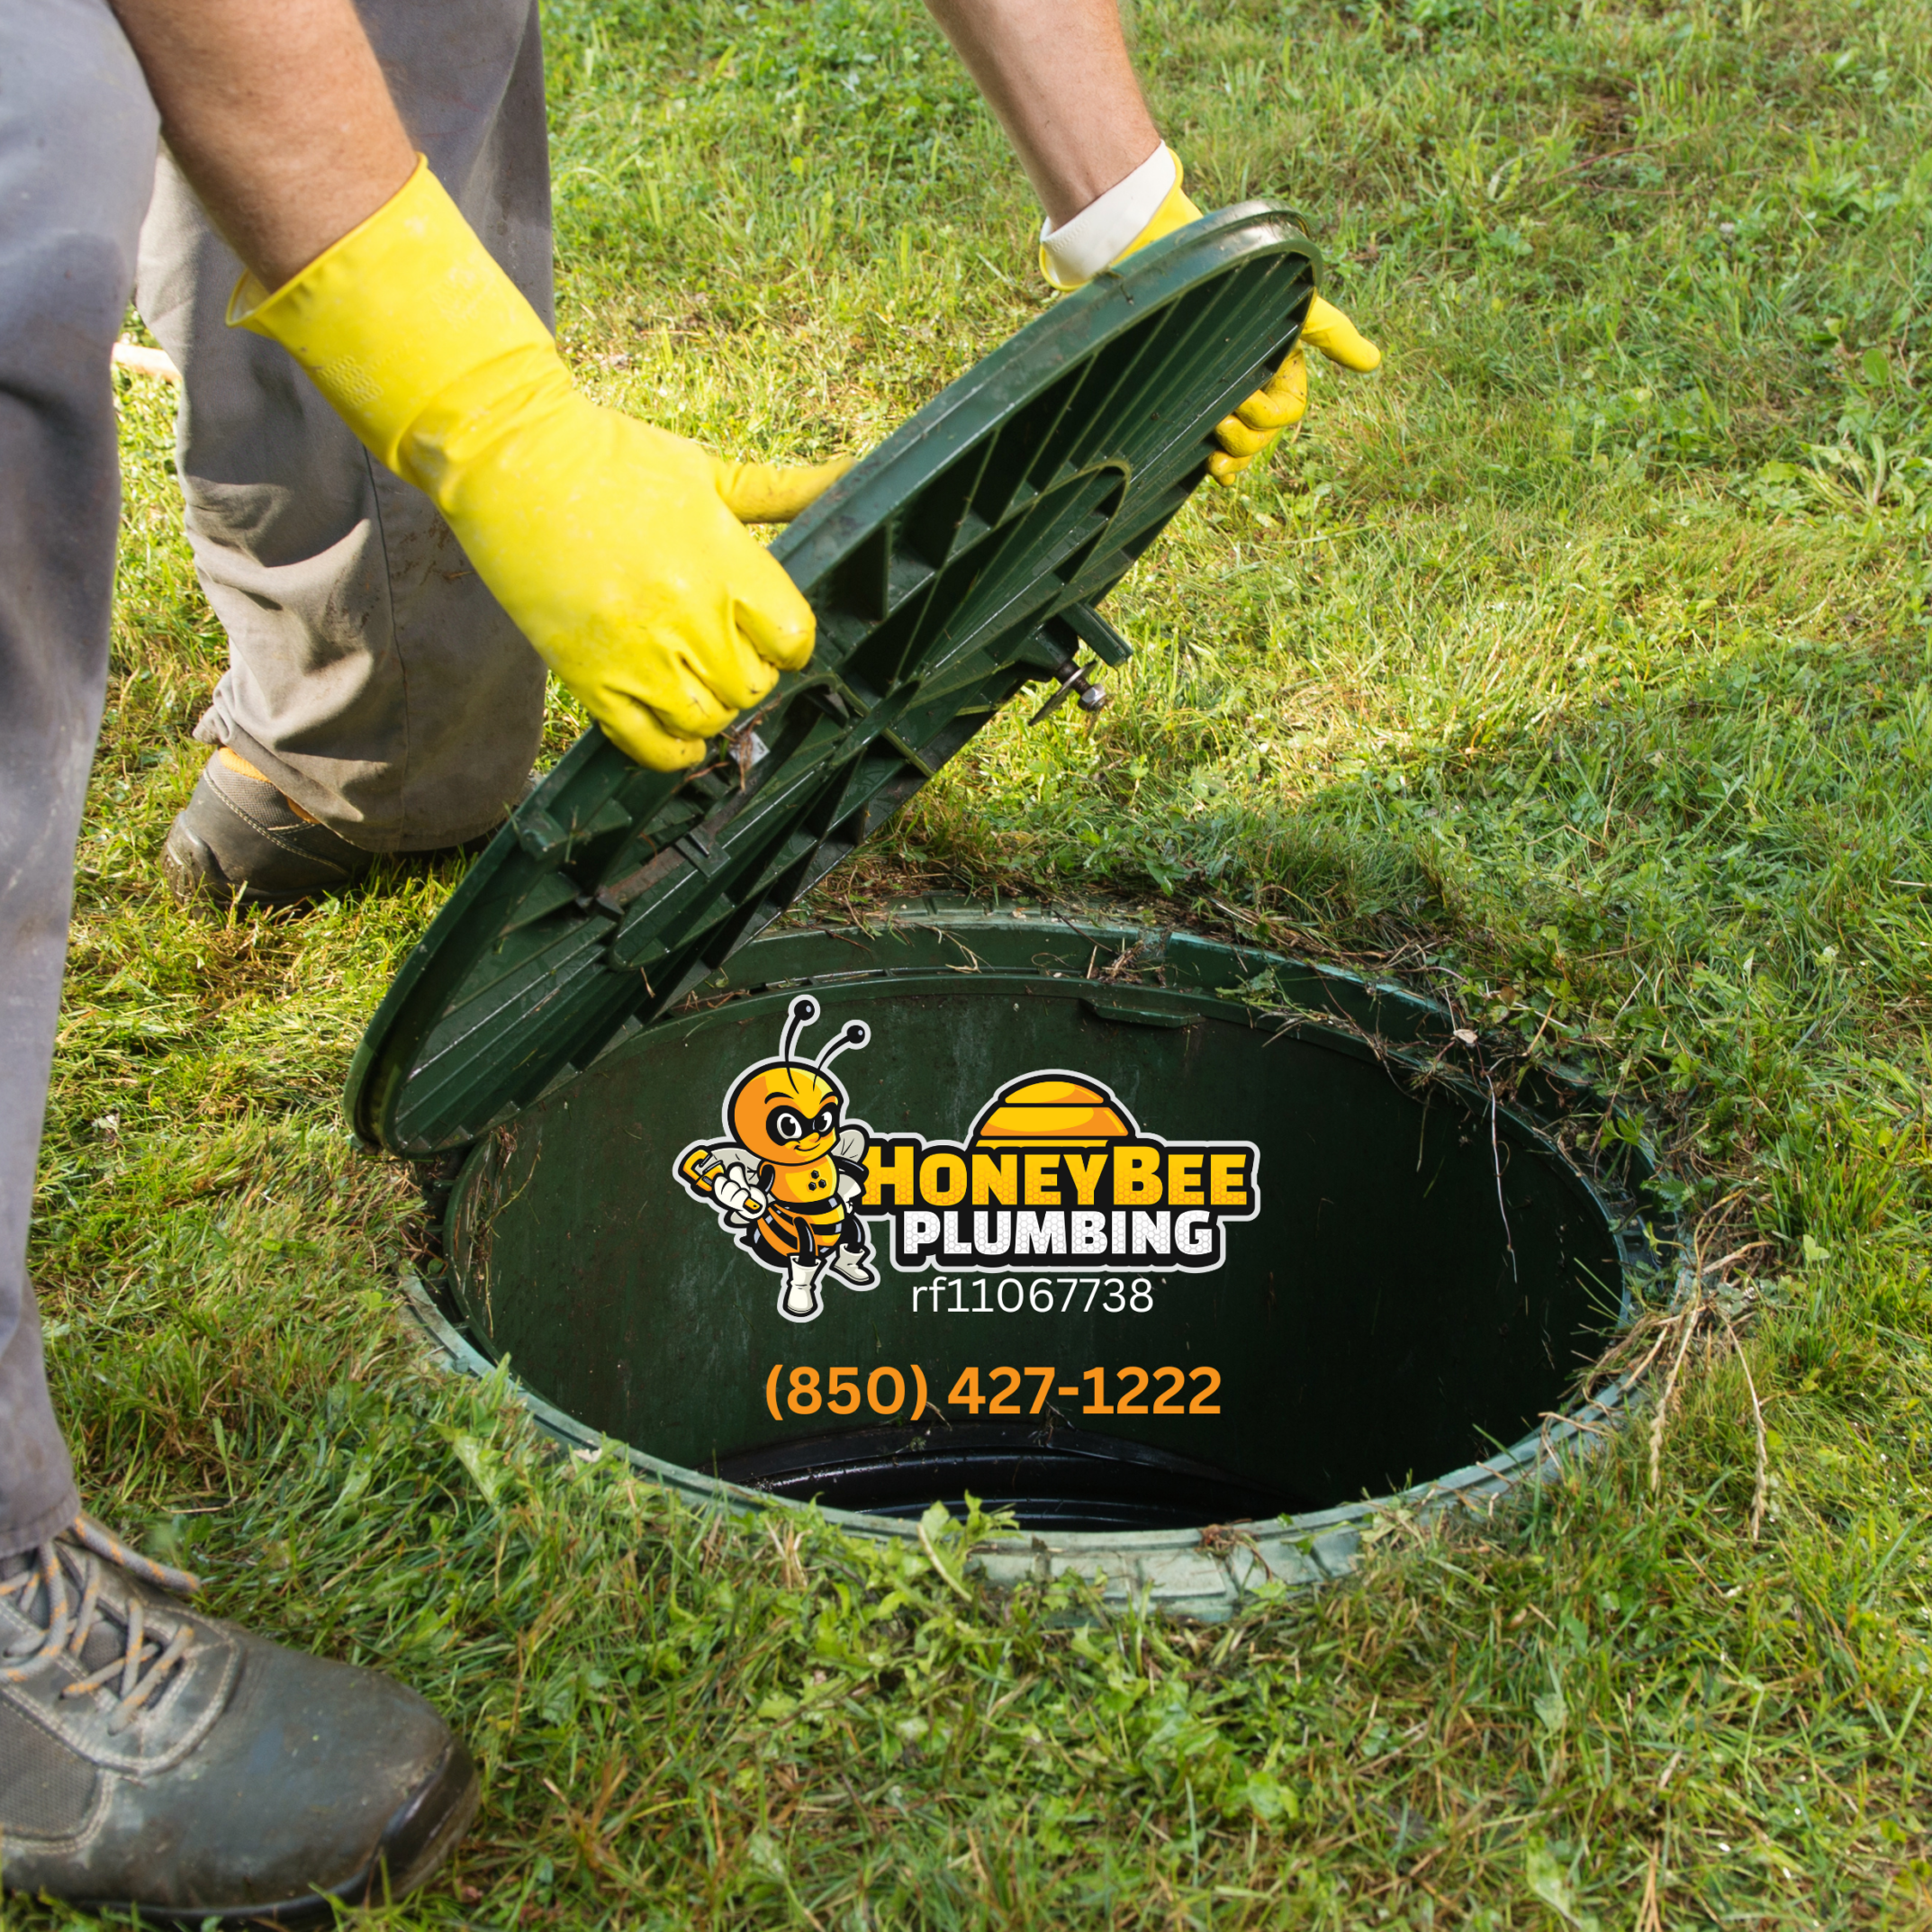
x: 1176, y: 212
x: 413, y: 334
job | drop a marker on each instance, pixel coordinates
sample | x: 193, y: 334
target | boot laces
x: 151, y: 1651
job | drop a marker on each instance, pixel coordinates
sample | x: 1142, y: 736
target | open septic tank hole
x: 994, y: 1202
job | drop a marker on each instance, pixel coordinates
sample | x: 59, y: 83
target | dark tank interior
x: 1140, y: 1257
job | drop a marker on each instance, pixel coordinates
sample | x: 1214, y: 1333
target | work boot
x: 153, y: 1758
x: 237, y: 839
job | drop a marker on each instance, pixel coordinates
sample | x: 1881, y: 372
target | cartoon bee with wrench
x: 785, y: 1179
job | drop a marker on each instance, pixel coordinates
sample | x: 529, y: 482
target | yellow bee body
x: 803, y: 1185
x: 786, y: 1116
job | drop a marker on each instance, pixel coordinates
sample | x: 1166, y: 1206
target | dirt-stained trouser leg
x: 371, y: 676
x: 77, y: 134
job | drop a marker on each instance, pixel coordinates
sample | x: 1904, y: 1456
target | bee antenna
x: 854, y: 1033
x: 804, y: 1011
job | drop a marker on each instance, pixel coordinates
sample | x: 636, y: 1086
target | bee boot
x: 155, y: 1759
x: 800, y: 1300
x: 852, y: 1263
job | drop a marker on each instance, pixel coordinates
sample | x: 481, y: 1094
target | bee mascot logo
x: 786, y: 1178
x: 1055, y: 1170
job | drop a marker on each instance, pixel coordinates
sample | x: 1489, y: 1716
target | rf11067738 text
x: 1035, y: 1294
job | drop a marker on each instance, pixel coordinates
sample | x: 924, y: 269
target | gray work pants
x: 371, y: 676
x: 77, y: 145
x: 78, y: 136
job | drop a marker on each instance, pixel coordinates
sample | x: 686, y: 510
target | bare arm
x: 278, y: 115
x: 280, y: 118
x: 1057, y: 75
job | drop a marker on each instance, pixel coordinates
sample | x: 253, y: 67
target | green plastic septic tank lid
x: 960, y: 560
x: 1036, y: 1207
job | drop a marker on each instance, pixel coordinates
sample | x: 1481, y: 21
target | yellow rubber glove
x: 618, y: 549
x: 1248, y: 432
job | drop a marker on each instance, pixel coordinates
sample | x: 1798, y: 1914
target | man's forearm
x: 1057, y: 75
x: 278, y: 115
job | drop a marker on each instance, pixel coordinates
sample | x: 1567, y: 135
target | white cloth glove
x: 740, y: 1202
x: 1075, y: 252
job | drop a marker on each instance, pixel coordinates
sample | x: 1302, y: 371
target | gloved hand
x: 1248, y: 432
x: 742, y: 1202
x: 618, y: 549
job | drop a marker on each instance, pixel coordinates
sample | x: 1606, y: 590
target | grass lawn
x: 1576, y: 667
